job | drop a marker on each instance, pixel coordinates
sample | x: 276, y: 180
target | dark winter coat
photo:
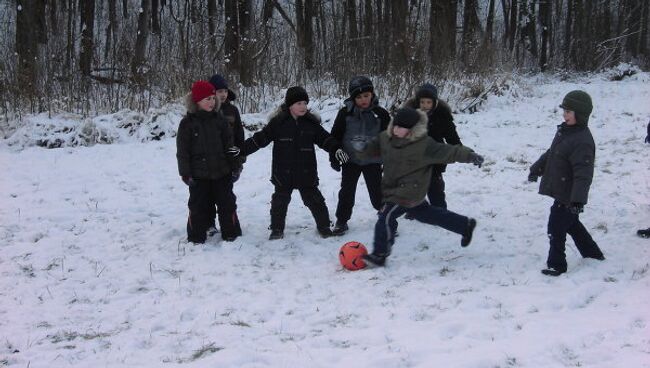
x: 567, y: 168
x: 408, y: 162
x: 440, y: 126
x: 201, y: 144
x: 231, y: 113
x: 294, y: 158
x: 355, y: 127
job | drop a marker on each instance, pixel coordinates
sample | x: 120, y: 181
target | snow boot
x: 373, y: 259
x: 644, y: 233
x: 552, y: 272
x: 467, y: 237
x: 340, y: 228
x: 276, y: 234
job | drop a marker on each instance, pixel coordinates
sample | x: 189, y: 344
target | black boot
x: 276, y: 234
x: 552, y: 272
x: 325, y: 232
x: 340, y: 228
x: 375, y: 259
x: 644, y: 233
x: 467, y: 237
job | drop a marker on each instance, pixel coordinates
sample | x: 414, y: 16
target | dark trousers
x: 311, y: 197
x: 436, y: 192
x: 213, y: 211
x: 387, y: 223
x: 204, y: 194
x: 349, y: 178
x: 560, y: 223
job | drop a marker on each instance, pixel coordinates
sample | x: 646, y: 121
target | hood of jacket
x: 417, y: 132
x: 192, y: 107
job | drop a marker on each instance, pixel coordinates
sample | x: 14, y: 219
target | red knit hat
x: 202, y: 89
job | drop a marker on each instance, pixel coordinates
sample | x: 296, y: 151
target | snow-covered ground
x: 95, y: 272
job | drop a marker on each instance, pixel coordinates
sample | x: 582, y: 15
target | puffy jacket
x: 567, y: 168
x: 408, y: 162
x: 201, y: 143
x: 294, y: 158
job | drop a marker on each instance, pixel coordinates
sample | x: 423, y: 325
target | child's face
x: 222, y: 95
x: 298, y: 109
x: 400, y: 132
x: 363, y: 100
x: 426, y: 104
x: 207, y: 104
x: 569, y: 117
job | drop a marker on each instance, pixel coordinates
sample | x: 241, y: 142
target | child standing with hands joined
x: 567, y: 169
x: 294, y: 130
x: 206, y: 161
x: 408, y: 154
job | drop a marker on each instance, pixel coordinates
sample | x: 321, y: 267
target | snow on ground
x: 94, y: 269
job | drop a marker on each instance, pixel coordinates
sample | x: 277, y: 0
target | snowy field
x: 95, y: 272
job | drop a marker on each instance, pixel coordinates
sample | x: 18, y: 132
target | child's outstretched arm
x: 259, y: 140
x: 440, y: 153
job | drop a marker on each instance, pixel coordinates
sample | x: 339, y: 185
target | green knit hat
x: 580, y: 103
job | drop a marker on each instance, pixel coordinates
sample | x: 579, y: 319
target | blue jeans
x: 386, y: 225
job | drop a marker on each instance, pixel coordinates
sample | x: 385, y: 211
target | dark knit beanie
x: 427, y: 90
x: 406, y: 117
x: 358, y: 85
x: 577, y: 101
x: 295, y: 94
x: 202, y: 89
x: 580, y: 103
x: 219, y: 82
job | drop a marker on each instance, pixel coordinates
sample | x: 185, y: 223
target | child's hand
x: 335, y: 165
x: 476, y: 159
x: 341, y: 156
x: 532, y: 178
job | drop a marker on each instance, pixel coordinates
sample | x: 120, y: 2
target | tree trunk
x: 26, y: 47
x: 87, y: 9
x: 514, y: 17
x: 528, y: 32
x: 212, y: 23
x: 155, y: 21
x: 398, y: 30
x: 489, y: 24
x: 141, y: 43
x: 568, y: 31
x: 470, y: 30
x: 244, y: 11
x: 545, y: 11
x: 442, y: 29
x: 125, y: 10
x: 231, y: 39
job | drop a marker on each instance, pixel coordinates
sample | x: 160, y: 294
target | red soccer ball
x: 351, y: 256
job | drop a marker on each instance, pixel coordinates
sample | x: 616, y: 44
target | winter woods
x: 139, y: 53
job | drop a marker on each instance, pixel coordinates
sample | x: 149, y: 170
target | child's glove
x: 188, y: 180
x: 233, y: 151
x: 476, y: 159
x: 341, y: 156
x: 647, y: 138
x: 335, y: 165
x: 576, y: 208
x: 532, y: 178
x: 236, y: 174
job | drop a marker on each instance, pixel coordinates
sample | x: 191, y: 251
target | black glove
x: 532, y: 178
x: 576, y: 208
x: 647, y: 138
x: 476, y: 159
x: 233, y: 151
x: 335, y: 165
x: 341, y: 156
x: 236, y: 174
x: 188, y: 180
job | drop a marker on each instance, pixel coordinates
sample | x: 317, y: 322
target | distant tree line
x: 87, y: 55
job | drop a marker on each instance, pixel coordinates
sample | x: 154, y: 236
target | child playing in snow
x: 567, y: 169
x: 231, y: 113
x: 204, y: 150
x: 356, y: 124
x: 409, y: 154
x: 441, y: 128
x: 294, y: 130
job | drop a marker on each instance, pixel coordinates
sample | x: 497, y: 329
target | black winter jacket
x: 231, y: 113
x: 201, y: 144
x: 294, y: 158
x: 440, y: 126
x: 567, y: 168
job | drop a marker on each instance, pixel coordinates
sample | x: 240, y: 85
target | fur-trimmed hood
x: 282, y: 112
x: 192, y: 107
x: 417, y: 132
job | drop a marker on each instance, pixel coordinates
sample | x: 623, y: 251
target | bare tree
x: 141, y: 42
x: 545, y: 12
x: 87, y: 9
